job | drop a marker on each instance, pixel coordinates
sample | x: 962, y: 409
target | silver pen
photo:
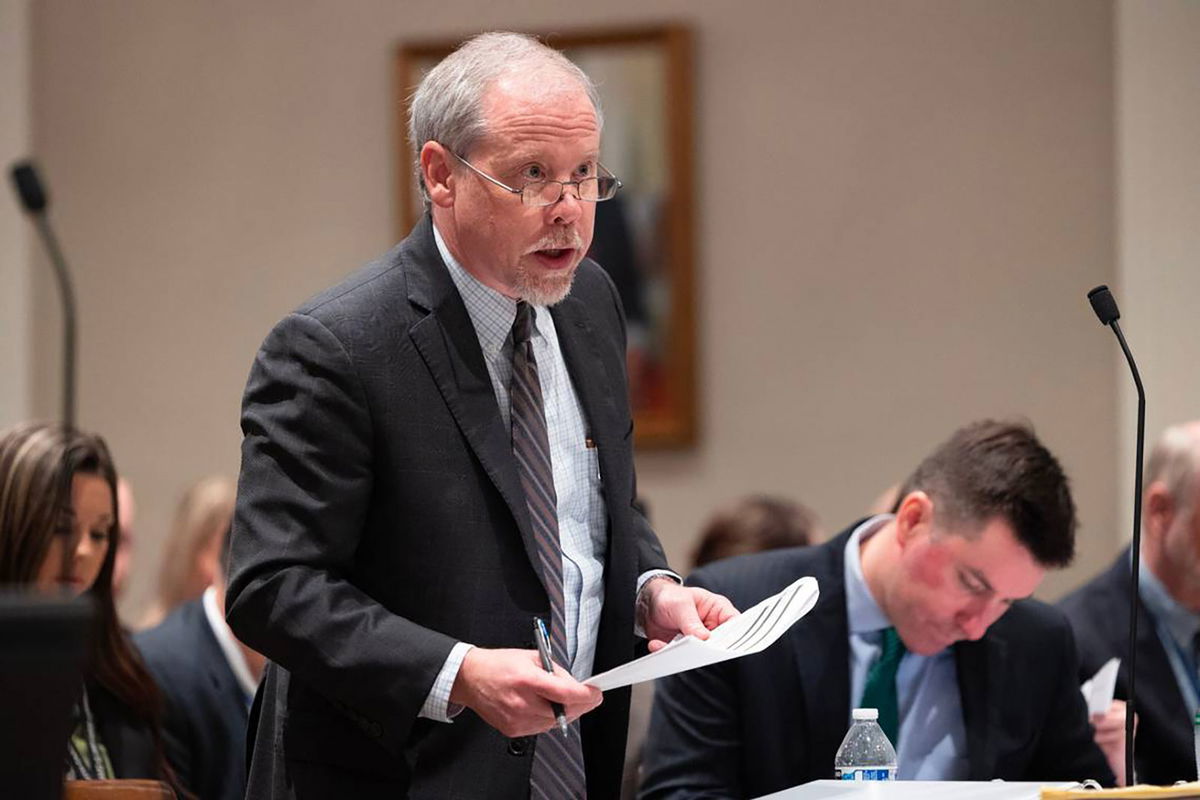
x: 543, y: 645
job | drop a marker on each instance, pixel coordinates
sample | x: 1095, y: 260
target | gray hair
x: 1173, y: 462
x: 448, y: 104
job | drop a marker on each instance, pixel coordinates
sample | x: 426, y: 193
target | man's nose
x: 569, y: 207
x: 977, y: 618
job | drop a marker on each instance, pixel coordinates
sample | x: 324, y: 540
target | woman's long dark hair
x: 38, y: 464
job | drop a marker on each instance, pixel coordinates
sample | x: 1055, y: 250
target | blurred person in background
x: 1168, y: 691
x: 208, y: 678
x: 192, y: 554
x: 753, y: 524
x: 58, y: 525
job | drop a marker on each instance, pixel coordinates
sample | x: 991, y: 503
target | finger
x: 688, y: 619
x: 718, y: 610
x: 566, y: 690
x: 576, y: 710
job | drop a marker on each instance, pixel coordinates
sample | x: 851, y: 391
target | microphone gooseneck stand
x: 1105, y: 306
x: 34, y: 201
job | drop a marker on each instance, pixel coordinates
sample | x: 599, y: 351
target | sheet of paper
x: 754, y: 630
x: 1098, y: 690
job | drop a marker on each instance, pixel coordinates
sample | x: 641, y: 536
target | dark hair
x: 753, y: 524
x: 994, y: 469
x: 38, y: 463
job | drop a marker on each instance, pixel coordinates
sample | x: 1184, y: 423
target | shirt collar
x: 863, y: 614
x: 492, y: 314
x: 229, y: 645
x: 1179, y: 622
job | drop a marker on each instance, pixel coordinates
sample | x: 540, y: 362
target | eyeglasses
x: 594, y: 189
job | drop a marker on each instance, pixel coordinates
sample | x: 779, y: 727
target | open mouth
x: 555, y: 257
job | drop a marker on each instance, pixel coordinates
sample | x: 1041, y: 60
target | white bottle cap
x: 865, y: 713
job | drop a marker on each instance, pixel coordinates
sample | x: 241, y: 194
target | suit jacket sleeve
x: 1066, y: 745
x: 303, y: 496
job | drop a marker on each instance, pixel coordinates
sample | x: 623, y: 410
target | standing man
x: 437, y: 451
x: 923, y: 615
x: 1168, y: 690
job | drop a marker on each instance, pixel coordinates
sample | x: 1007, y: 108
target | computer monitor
x: 42, y: 646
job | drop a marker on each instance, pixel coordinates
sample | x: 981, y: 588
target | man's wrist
x: 439, y: 705
x: 645, y: 597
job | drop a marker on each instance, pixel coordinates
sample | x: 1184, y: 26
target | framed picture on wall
x: 643, y: 236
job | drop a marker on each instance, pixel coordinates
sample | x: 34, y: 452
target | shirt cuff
x: 437, y: 705
x: 642, y: 580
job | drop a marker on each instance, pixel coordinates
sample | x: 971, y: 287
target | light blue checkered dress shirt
x: 581, y: 513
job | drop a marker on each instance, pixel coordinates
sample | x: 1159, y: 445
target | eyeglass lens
x: 546, y: 193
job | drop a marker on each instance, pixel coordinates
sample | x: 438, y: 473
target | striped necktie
x: 557, y: 770
x: 880, y: 691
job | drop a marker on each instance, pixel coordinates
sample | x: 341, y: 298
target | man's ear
x: 914, y: 516
x: 439, y: 177
x: 1159, y: 510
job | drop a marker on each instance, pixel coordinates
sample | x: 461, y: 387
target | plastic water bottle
x: 865, y: 754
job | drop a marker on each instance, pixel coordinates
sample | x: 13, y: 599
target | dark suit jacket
x: 206, y: 710
x: 1099, y: 614
x: 769, y: 721
x: 380, y: 519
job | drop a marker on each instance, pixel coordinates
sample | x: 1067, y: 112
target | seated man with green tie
x: 924, y: 614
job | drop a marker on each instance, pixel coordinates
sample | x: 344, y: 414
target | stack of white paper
x: 754, y: 630
x: 1099, y: 690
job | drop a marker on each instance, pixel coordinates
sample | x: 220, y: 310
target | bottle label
x: 866, y: 773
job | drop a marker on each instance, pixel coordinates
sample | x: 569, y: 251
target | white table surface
x: 915, y: 790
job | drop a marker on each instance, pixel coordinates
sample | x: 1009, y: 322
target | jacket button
x: 518, y: 747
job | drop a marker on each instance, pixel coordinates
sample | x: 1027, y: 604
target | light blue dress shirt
x: 933, y: 737
x: 1176, y: 628
x: 582, y: 518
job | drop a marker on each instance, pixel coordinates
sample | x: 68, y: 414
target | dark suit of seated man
x: 1168, y: 687
x: 207, y: 678
x: 982, y: 681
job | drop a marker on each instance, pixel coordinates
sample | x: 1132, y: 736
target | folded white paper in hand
x: 1099, y: 689
x: 752, y: 631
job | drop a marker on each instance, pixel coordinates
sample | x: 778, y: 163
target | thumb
x: 689, y: 622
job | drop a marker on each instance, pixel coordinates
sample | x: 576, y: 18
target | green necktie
x: 880, y: 691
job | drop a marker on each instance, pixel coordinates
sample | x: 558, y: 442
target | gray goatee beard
x: 549, y: 288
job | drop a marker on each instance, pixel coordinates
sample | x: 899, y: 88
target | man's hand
x: 666, y: 609
x: 512, y: 693
x: 1110, y: 737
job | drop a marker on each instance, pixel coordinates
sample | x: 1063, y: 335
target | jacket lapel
x: 825, y: 671
x: 590, y: 374
x: 447, y: 342
x: 981, y: 686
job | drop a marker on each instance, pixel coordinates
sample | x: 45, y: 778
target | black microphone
x: 33, y: 199
x: 29, y: 188
x: 1104, y: 304
x: 1105, y: 307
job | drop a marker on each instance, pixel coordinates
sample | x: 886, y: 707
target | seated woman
x: 58, y: 521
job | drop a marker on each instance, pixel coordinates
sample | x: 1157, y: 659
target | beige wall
x: 901, y: 206
x: 1158, y: 180
x: 15, y: 282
